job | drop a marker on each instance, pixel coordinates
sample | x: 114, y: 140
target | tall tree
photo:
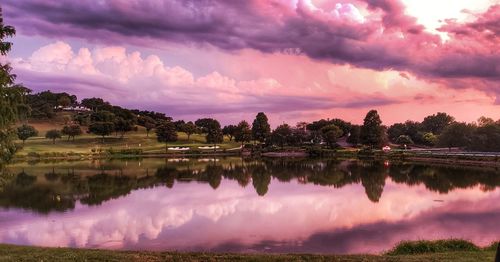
x: 243, y: 133
x: 12, y: 97
x: 214, y: 133
x: 371, y: 133
x: 166, y: 133
x: 261, y: 128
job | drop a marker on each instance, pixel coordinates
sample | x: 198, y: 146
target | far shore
x: 343, y: 154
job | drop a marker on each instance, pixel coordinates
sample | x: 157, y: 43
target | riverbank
x: 411, y: 251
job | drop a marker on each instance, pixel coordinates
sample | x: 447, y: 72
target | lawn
x: 85, y: 143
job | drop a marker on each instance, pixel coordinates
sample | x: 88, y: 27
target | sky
x: 296, y: 60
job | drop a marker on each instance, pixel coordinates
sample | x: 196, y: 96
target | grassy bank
x: 132, y: 144
x: 448, y: 250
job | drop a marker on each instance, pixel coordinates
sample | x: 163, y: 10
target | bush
x: 492, y: 247
x: 438, y: 246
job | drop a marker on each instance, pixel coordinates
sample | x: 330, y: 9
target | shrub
x: 437, y: 246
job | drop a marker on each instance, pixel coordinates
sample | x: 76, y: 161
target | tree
x: 429, y: 139
x: 214, y: 133
x: 299, y: 134
x: 396, y: 130
x: 102, y: 116
x: 64, y: 101
x: 486, y: 138
x: 343, y: 125
x: 404, y: 140
x: 353, y: 137
x: 53, y: 134
x: 12, y: 98
x: 26, y: 131
x: 179, y: 124
x: 436, y: 123
x: 330, y: 134
x: 243, y: 132
x: 166, y: 133
x: 456, y: 135
x: 281, y: 135
x: 261, y: 128
x: 96, y: 104
x: 147, y: 122
x: 71, y: 131
x: 211, y: 128
x: 203, y: 123
x: 371, y: 132
x: 122, y: 126
x: 190, y: 128
x: 485, y: 121
x: 230, y: 131
x: 317, y: 125
x: 102, y: 129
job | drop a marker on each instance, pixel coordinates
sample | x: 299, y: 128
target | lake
x: 239, y: 205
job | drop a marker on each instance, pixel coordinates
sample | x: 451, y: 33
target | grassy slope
x: 19, y: 253
x: 83, y: 144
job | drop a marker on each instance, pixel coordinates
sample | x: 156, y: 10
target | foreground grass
x: 451, y: 251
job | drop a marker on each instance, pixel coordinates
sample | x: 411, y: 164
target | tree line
x: 104, y: 119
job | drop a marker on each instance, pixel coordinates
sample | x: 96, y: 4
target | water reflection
x: 275, y: 205
x: 52, y: 187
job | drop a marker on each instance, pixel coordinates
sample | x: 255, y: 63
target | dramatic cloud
x: 115, y: 74
x: 297, y: 59
x: 386, y: 38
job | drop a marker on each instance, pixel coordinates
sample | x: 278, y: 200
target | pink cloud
x: 298, y: 60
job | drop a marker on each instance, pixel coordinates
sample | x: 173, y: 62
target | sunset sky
x: 296, y: 60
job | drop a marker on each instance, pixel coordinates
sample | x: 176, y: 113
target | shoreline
x: 480, y: 162
x: 437, y: 250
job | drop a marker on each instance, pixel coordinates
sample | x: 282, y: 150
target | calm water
x: 313, y: 206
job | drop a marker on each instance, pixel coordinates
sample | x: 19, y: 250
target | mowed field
x: 86, y: 142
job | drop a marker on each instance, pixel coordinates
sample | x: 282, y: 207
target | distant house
x: 73, y: 108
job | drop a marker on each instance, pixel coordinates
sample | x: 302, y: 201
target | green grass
x: 22, y: 253
x: 85, y: 143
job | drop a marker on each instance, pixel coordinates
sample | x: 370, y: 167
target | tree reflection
x: 59, y: 188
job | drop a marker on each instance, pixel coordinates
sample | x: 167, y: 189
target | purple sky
x: 294, y: 59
